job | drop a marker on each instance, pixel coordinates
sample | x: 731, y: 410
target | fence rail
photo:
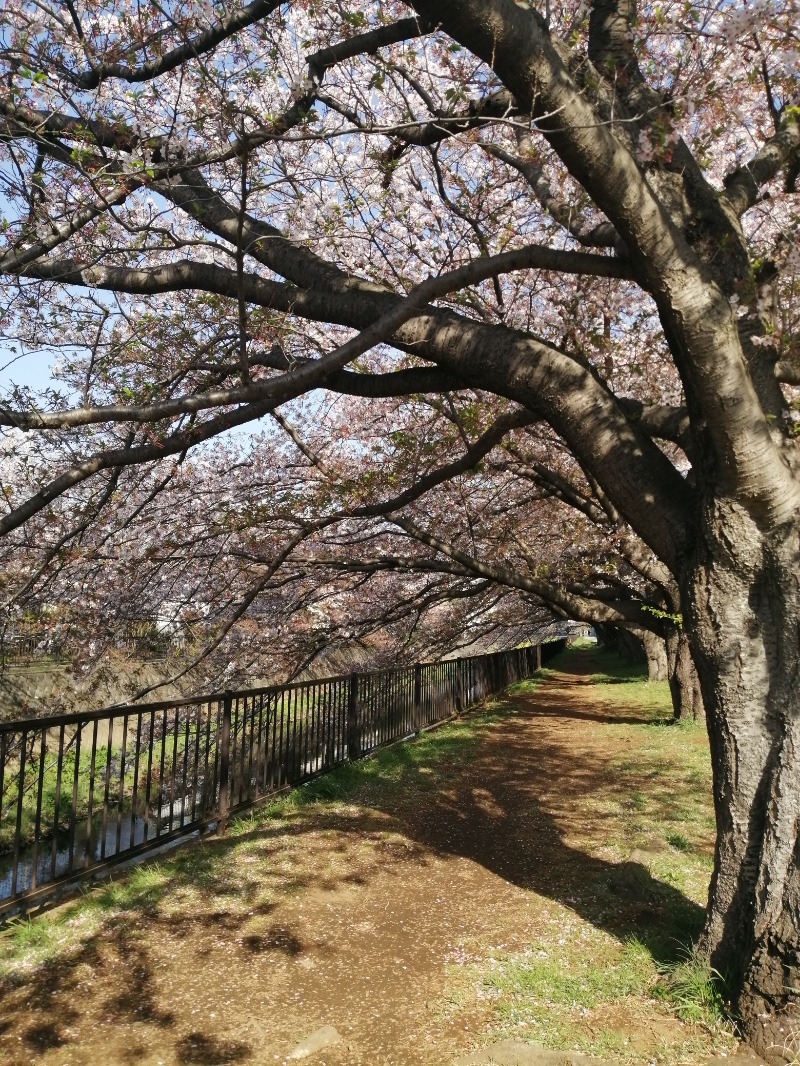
x: 79, y: 792
x: 38, y: 650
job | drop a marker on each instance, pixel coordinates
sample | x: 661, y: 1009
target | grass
x: 572, y: 979
x: 592, y: 991
x: 593, y: 994
x: 612, y: 972
x: 694, y: 989
x: 394, y: 769
x: 543, y: 992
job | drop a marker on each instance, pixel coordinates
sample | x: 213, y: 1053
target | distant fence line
x: 80, y: 792
x: 140, y: 641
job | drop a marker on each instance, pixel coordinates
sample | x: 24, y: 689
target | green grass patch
x: 545, y: 982
x: 400, y: 771
x: 661, y: 789
x: 529, y: 686
x: 615, y: 680
x: 598, y: 996
x: 695, y: 990
x: 678, y: 841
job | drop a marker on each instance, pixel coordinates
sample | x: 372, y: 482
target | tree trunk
x: 744, y: 603
x: 684, y: 684
x: 637, y: 646
x: 655, y: 653
x: 631, y: 646
x: 607, y: 636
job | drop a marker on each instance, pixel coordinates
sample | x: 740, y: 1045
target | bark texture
x: 744, y: 601
x: 656, y: 655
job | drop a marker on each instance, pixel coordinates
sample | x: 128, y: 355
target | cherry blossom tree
x: 348, y: 589
x: 580, y: 217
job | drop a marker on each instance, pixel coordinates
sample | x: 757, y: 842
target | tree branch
x: 743, y: 185
x: 589, y: 234
x: 250, y: 287
x: 572, y: 606
x: 367, y: 43
x: 199, y: 45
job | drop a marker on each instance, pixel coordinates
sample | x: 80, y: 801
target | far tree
x: 210, y: 211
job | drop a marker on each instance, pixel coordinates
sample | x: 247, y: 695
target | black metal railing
x: 79, y: 792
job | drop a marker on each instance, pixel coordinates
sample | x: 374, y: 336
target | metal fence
x: 37, y: 649
x: 79, y: 792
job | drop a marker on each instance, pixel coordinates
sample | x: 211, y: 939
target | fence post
x: 417, y: 697
x: 459, y: 686
x: 225, y: 761
x: 353, y: 733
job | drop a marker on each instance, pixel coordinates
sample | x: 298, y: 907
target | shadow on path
x: 509, y: 806
x: 510, y: 813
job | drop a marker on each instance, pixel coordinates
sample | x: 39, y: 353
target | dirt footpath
x: 375, y: 934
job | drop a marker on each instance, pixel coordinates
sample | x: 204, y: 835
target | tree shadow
x: 195, y: 1049
x: 596, y: 716
x: 517, y: 837
x: 135, y: 995
x: 119, y: 949
x: 44, y: 1037
x: 507, y: 807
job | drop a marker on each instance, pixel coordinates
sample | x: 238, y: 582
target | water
x: 87, y: 850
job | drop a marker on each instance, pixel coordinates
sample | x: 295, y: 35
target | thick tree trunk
x: 744, y: 624
x: 684, y: 684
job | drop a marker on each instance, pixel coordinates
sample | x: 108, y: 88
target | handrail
x: 82, y: 791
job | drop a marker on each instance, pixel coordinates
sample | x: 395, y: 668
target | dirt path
x: 374, y: 918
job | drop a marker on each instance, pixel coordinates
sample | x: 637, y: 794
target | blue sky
x: 31, y: 370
